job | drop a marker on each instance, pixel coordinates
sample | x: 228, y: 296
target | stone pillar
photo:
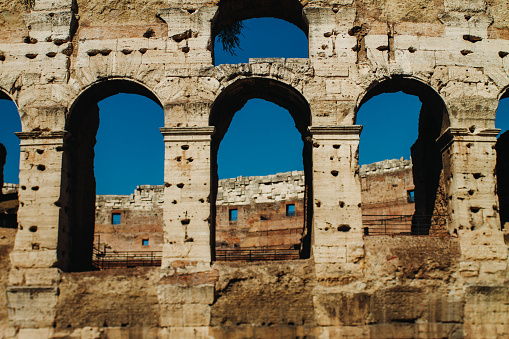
x: 187, y: 213
x: 39, y: 212
x: 469, y: 159
x: 32, y: 294
x: 337, y: 243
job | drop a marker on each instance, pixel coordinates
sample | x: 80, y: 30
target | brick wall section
x: 141, y: 218
x: 385, y: 186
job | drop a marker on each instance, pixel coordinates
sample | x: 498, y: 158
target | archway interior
x: 261, y: 38
x: 264, y: 38
x: 428, y: 194
x: 230, y: 101
x: 9, y: 161
x: 502, y: 170
x: 79, y: 183
x: 10, y: 123
x: 233, y: 11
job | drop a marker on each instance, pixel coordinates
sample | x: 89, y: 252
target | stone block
x: 32, y: 306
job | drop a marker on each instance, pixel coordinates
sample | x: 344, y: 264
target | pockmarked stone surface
x: 59, y: 58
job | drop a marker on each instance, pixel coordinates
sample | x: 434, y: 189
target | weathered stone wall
x: 141, y: 218
x: 60, y: 57
x: 386, y: 188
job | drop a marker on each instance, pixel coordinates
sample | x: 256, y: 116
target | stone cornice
x: 41, y: 135
x: 177, y: 131
x: 465, y: 135
x: 335, y: 130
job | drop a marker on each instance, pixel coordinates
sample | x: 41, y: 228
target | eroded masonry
x: 59, y: 58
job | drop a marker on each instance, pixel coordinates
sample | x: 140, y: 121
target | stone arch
x: 231, y: 11
x: 502, y: 172
x: 3, y: 151
x: 78, y: 189
x: 231, y: 99
x: 294, y: 74
x: 427, y: 167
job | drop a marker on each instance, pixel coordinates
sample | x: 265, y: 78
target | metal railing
x: 256, y: 254
x: 400, y: 224
x: 104, y: 259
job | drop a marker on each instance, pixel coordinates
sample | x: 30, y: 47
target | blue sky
x: 262, y: 138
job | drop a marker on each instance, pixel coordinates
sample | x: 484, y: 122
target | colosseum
x: 441, y: 272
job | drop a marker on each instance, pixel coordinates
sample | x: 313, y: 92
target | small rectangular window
x: 116, y: 218
x: 144, y: 242
x: 410, y: 196
x: 233, y: 215
x: 290, y: 210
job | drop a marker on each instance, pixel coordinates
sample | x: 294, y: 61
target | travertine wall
x: 60, y: 57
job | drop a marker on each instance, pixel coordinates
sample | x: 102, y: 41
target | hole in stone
x: 503, y: 54
x: 334, y: 173
x: 344, y: 228
x: 471, y: 192
x: 190, y: 159
x: 178, y: 159
x: 341, y: 204
x: 191, y: 11
x: 185, y: 49
x: 412, y: 49
x: 174, y: 202
x: 142, y: 50
x: 58, y: 149
x: 23, y: 187
x: 474, y: 209
x: 336, y: 146
x: 41, y: 167
x: 32, y: 228
x: 472, y: 129
x: 180, y: 185
x: 185, y: 221
x: 40, y: 151
x: 185, y: 147
x: 167, y: 184
x: 35, y: 188
x: 318, y: 203
x: 189, y: 240
x: 35, y: 246
x: 477, y: 175
x: 201, y: 200
x: 149, y: 33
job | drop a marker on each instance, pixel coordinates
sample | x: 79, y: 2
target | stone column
x: 32, y: 294
x: 469, y: 159
x: 337, y: 242
x: 187, y: 179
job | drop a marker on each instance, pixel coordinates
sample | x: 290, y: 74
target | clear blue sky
x: 262, y: 138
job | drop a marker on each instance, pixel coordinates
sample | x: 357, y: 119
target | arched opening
x: 10, y: 123
x: 502, y: 147
x: 235, y: 214
x: 122, y: 155
x: 398, y: 195
x: 261, y: 29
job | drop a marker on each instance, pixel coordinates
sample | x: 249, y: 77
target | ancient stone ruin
x: 59, y: 58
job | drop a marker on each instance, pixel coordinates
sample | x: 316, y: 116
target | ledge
x: 335, y: 130
x: 209, y: 130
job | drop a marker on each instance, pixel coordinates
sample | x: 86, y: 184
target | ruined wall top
x: 270, y: 188
x: 385, y: 166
